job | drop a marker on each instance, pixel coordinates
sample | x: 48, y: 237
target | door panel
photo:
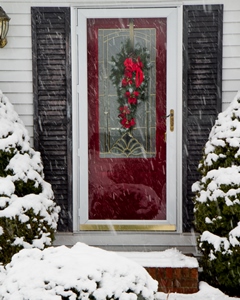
x: 127, y: 167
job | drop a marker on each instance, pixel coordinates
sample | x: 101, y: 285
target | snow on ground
x: 54, y: 272
x: 173, y: 258
x: 206, y: 292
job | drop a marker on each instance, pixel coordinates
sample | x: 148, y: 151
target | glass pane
x: 117, y: 141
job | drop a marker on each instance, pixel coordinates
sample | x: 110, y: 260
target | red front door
x: 127, y: 122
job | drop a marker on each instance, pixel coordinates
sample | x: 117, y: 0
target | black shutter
x: 202, y: 90
x: 52, y: 102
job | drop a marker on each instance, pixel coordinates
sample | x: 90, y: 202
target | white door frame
x: 80, y: 108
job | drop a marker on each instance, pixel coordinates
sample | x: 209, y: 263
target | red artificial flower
x: 124, y: 110
x: 121, y: 116
x: 128, y: 123
x: 128, y: 74
x: 126, y: 81
x: 132, y: 100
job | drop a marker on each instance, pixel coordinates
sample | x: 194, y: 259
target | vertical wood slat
x: 202, y: 90
x: 52, y: 102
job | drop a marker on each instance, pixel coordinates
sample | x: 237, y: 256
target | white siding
x: 16, y: 63
x: 231, y: 51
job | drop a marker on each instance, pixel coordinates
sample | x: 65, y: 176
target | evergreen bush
x: 80, y: 272
x: 28, y: 214
x: 217, y: 202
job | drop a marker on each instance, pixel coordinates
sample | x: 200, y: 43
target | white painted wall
x: 16, y: 63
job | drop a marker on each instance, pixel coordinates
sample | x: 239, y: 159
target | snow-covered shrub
x: 217, y: 202
x: 28, y: 214
x: 80, y: 272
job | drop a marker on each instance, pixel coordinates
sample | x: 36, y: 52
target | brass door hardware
x: 171, y: 120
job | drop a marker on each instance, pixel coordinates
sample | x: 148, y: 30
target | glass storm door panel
x: 127, y: 119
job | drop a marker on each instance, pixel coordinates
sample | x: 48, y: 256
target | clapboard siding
x: 18, y: 87
x: 233, y: 74
x: 16, y: 52
x: 21, y: 98
x: 231, y: 51
x: 19, y: 31
x: 21, y: 76
x: 202, y: 97
x: 8, y: 65
x: 52, y: 102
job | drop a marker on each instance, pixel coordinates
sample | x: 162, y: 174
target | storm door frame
x: 173, y: 221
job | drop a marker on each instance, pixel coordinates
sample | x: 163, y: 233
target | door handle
x: 171, y: 119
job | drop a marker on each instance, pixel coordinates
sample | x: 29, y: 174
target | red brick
x: 162, y: 285
x: 187, y: 290
x: 178, y: 273
x: 152, y: 272
x: 169, y: 284
x: 176, y: 283
x: 179, y: 280
x: 189, y: 283
x: 169, y: 273
x: 185, y: 272
x: 194, y: 273
x: 191, y: 290
x: 161, y: 274
x: 180, y: 290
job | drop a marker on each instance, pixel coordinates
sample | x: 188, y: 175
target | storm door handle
x: 171, y: 115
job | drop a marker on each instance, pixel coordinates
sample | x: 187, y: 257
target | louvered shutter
x: 52, y: 102
x: 202, y: 89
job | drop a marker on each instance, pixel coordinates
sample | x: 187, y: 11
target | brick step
x: 175, y: 280
x: 174, y: 271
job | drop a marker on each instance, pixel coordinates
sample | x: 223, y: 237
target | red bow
x: 136, y: 67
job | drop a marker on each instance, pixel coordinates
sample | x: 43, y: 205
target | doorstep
x: 174, y: 271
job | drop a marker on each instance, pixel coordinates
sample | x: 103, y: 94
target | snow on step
x: 170, y: 258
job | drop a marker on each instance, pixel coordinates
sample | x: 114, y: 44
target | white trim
x: 171, y: 104
x: 74, y: 116
x: 179, y: 120
x: 173, y: 15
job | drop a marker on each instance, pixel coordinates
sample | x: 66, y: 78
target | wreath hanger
x: 131, y: 33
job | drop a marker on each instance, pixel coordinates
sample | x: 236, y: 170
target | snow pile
x: 217, y: 201
x: 80, y: 272
x: 206, y: 292
x: 28, y: 214
x: 170, y: 258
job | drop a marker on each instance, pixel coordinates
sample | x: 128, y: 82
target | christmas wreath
x: 130, y: 75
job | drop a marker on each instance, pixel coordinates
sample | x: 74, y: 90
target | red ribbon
x: 136, y: 67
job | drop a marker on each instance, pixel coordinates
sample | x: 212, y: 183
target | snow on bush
x: 80, y: 272
x: 217, y: 202
x: 28, y: 214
